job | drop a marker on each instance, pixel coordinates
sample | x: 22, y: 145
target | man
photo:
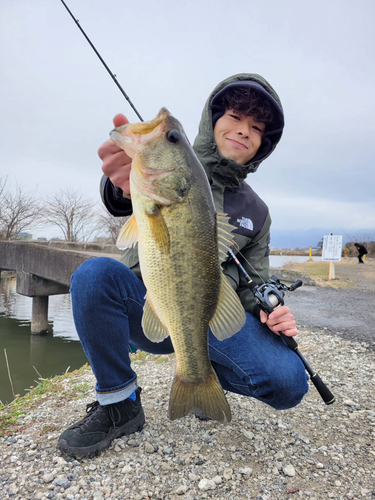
x: 361, y: 252
x: 241, y: 125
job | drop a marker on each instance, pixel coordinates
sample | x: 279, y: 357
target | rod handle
x: 290, y: 342
x: 320, y: 386
x: 323, y: 390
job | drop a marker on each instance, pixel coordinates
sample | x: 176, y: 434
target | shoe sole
x: 135, y: 425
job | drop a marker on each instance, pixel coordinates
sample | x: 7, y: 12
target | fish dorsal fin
x: 151, y: 324
x: 128, y: 236
x: 224, y: 235
x: 230, y: 315
x: 159, y: 229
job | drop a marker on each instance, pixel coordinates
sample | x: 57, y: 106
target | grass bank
x: 67, y: 385
x: 294, y: 251
x: 70, y: 385
x: 319, y: 271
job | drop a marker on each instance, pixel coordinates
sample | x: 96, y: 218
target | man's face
x: 238, y: 137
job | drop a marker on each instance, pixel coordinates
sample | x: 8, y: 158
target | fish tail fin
x: 208, y: 397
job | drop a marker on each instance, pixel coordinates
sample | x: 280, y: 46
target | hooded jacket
x: 247, y: 212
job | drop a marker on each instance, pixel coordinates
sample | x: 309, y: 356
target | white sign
x: 332, y: 247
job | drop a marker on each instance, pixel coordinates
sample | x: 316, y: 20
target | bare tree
x: 18, y: 211
x: 110, y: 226
x: 73, y: 214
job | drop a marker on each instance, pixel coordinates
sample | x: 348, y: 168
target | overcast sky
x: 57, y: 100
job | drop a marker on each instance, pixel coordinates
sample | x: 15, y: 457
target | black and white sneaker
x: 102, y: 424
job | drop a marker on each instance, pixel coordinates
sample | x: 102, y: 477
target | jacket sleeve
x: 113, y: 199
x: 257, y: 253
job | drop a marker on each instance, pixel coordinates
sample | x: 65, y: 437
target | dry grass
x: 319, y: 271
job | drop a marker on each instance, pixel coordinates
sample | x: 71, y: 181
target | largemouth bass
x: 181, y: 243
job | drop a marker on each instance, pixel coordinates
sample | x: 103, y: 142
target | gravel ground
x: 311, y: 452
x: 349, y: 312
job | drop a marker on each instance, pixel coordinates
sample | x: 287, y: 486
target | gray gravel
x: 349, y: 312
x: 310, y: 452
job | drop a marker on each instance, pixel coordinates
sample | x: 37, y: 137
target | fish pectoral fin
x: 128, y: 236
x: 153, y: 328
x: 159, y: 229
x: 230, y: 315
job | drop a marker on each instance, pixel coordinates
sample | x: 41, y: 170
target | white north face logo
x: 246, y: 223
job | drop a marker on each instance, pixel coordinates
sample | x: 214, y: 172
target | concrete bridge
x: 45, y: 269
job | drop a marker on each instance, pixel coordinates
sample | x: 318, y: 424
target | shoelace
x: 113, y: 412
x: 91, y: 407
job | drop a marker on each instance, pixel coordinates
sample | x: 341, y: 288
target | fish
x: 182, y: 242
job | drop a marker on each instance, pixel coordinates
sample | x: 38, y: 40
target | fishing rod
x: 103, y: 62
x: 269, y: 296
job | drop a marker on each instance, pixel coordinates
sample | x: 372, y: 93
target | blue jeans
x: 108, y: 299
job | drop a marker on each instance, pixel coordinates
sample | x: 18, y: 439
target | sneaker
x: 102, y: 424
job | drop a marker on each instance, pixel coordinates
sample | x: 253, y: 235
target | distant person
x: 361, y: 252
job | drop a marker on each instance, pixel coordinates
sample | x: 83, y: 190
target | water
x: 50, y: 354
x: 53, y: 353
x: 280, y: 260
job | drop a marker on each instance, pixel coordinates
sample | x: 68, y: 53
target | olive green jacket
x: 231, y: 195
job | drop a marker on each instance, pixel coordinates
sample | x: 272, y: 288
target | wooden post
x: 331, y: 275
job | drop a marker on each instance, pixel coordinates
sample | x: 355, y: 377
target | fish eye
x: 173, y: 136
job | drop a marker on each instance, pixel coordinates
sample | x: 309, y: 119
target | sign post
x: 332, y: 246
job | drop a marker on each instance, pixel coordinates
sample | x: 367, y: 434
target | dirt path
x: 363, y: 276
x: 349, y: 312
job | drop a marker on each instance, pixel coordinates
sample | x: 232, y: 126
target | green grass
x: 20, y: 406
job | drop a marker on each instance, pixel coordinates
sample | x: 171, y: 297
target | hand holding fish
x: 281, y: 320
x: 116, y: 163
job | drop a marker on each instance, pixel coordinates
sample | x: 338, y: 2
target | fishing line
x: 103, y: 62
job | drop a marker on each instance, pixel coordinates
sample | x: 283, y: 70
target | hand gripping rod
x: 269, y: 296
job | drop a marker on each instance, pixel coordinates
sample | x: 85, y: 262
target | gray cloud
x: 58, y: 101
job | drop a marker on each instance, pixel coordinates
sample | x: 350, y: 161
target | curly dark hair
x: 248, y: 102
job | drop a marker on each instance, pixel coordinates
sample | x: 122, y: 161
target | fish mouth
x: 144, y: 128
x: 128, y: 137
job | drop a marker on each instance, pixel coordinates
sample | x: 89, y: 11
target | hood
x: 205, y: 147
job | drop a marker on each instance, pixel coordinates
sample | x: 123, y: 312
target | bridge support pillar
x: 39, y: 317
x: 39, y: 289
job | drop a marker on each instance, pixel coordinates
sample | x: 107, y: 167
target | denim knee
x: 95, y: 269
x: 92, y: 277
x: 289, y: 386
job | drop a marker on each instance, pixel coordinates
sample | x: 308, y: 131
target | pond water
x: 50, y: 354
x: 280, y: 260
